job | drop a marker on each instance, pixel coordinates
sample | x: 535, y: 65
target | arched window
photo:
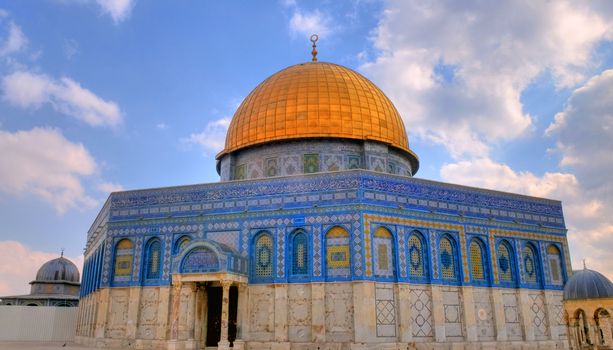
x: 530, y: 264
x: 181, y: 243
x: 123, y: 261
x: 264, y: 255
x: 383, y: 243
x: 478, y: 268
x: 337, y: 252
x: 555, y: 265
x: 506, y: 262
x: 200, y: 259
x: 417, y: 256
x: 448, y: 259
x: 153, y: 255
x: 300, y: 257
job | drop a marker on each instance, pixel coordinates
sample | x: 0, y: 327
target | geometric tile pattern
x: 421, y: 313
x: 385, y: 310
x: 539, y: 316
x: 401, y: 252
x: 317, y: 250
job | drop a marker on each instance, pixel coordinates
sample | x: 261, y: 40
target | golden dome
x: 316, y: 100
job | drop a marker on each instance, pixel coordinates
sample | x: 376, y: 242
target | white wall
x: 39, y: 323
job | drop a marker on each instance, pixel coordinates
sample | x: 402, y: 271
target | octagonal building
x: 319, y: 237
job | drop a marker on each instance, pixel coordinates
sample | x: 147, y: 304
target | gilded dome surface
x: 315, y: 100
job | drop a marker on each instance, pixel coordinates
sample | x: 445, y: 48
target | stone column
x: 224, y: 344
x: 199, y: 318
x: 242, y: 328
x: 499, y: 316
x: 605, y: 325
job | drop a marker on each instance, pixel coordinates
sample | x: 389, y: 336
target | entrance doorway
x: 213, y: 324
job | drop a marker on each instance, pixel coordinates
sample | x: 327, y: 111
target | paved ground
x: 8, y: 345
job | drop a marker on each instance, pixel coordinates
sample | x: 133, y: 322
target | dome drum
x: 314, y: 101
x: 311, y: 156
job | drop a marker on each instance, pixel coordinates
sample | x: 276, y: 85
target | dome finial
x: 62, y: 253
x: 585, y: 268
x: 313, y: 39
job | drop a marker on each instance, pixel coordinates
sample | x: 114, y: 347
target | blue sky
x: 101, y: 95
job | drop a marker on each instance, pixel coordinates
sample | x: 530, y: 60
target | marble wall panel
x: 512, y: 317
x: 261, y: 312
x: 148, y: 309
x: 422, y: 324
x: 299, y: 313
x: 118, y: 313
x: 454, y: 313
x: 339, y: 311
x: 486, y: 330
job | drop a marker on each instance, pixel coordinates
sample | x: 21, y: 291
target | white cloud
x: 71, y: 48
x: 590, y: 227
x: 29, y: 90
x: 42, y: 163
x: 456, y: 72
x: 119, y: 10
x: 108, y: 187
x: 307, y: 23
x: 212, y: 138
x: 15, y: 40
x: 584, y: 132
x: 161, y: 126
x: 15, y: 280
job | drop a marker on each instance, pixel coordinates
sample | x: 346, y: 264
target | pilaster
x: 438, y: 314
x: 499, y: 317
x: 526, y: 313
x: 404, y: 313
x: 470, y: 319
x: 318, y: 313
x: 281, y: 310
x: 134, y: 294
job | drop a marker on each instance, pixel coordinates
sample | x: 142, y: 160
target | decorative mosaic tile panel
x: 311, y: 163
x: 448, y: 259
x: 200, y: 260
x: 280, y: 252
x: 167, y: 256
x: 421, y: 313
x: 271, y: 167
x: 229, y: 238
x: 317, y: 250
x: 354, y: 161
x: 476, y: 261
x: 434, y: 254
x: 263, y: 256
x: 384, y: 258
x: 401, y: 252
x: 332, y: 162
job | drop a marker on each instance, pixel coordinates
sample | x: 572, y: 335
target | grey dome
x: 60, y: 269
x: 588, y: 284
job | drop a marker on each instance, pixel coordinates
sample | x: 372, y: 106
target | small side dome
x: 588, y: 284
x: 60, y: 269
